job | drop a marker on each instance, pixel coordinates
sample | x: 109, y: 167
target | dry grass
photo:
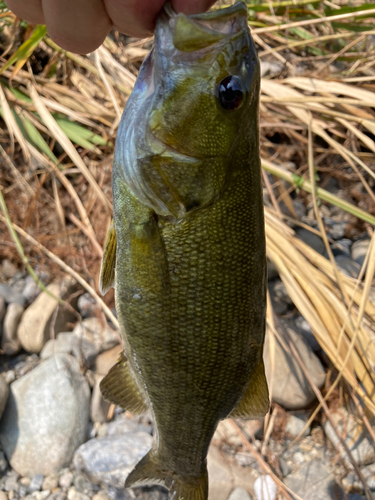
x: 60, y: 113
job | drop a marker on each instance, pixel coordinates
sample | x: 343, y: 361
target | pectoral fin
x: 107, y: 269
x: 255, y: 401
x: 119, y: 388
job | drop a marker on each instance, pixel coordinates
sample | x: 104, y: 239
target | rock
x: 356, y: 437
x: 4, y: 392
x: 66, y: 479
x: 64, y: 343
x: 290, y: 387
x: 10, y: 376
x: 272, y: 272
x: 305, y: 330
x: 50, y: 482
x: 86, y: 305
x: 270, y: 68
x: 110, y: 459
x: 9, y: 340
x: 336, y: 230
x: 46, y: 417
x: 107, y: 359
x: 311, y: 239
x: 8, y: 270
x: 369, y: 473
x: 82, y: 484
x: 125, y: 425
x: 265, y: 488
x: 11, y: 483
x: 3, y: 495
x: 101, y: 495
x: 279, y: 296
x: 348, y: 266
x: 36, y: 483
x: 35, y: 327
x: 313, y: 481
x: 342, y: 247
x: 224, y: 476
x: 295, y: 425
x: 239, y: 494
x: 73, y: 494
x: 99, y: 406
x: 10, y: 295
x: 94, y: 337
x: 359, y: 251
x: 3, y: 462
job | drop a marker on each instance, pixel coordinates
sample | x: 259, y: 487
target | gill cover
x: 176, y: 135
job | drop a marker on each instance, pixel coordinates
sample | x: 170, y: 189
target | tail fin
x: 149, y: 470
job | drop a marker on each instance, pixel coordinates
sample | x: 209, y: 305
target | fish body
x: 187, y: 247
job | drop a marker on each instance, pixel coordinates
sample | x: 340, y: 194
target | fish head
x: 194, y: 111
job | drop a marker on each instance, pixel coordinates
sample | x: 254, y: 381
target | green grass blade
x: 23, y: 53
x: 78, y: 134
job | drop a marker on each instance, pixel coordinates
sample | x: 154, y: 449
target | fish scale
x: 186, y: 252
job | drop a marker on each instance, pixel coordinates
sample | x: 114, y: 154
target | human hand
x: 82, y: 25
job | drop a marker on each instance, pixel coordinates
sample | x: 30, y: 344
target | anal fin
x: 255, y: 402
x: 119, y: 387
x: 107, y: 269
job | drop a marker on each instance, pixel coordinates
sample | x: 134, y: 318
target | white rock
x: 265, y: 488
x: 110, y: 459
x: 355, y: 435
x: 239, y: 494
x: 35, y: 327
x: 94, y: 337
x: 295, y: 425
x: 9, y: 340
x: 290, y: 388
x: 107, y: 359
x: 46, y: 418
x: 64, y: 343
x: 313, y: 481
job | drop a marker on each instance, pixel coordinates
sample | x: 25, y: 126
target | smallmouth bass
x: 186, y: 251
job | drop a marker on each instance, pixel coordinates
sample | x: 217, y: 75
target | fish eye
x: 231, y: 92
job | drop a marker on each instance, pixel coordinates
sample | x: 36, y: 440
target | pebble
x: 110, y: 459
x: 270, y: 68
x: 99, y: 406
x: 11, y: 483
x: 342, y: 247
x: 348, y: 266
x: 10, y: 295
x: 4, y: 392
x: 359, y: 251
x: 50, y: 482
x: 305, y: 330
x: 3, y: 495
x: 337, y: 229
x: 311, y: 239
x: 124, y: 425
x: 66, y: 479
x: 356, y: 437
x: 36, y: 483
x: 9, y: 340
x: 101, y: 495
x: 295, y: 425
x: 313, y: 481
x: 10, y: 376
x: 265, y: 488
x: 73, y: 494
x: 290, y: 388
x: 64, y: 343
x: 86, y: 305
x: 3, y: 462
x: 8, y: 270
x: 107, y: 359
x: 94, y: 337
x: 82, y: 484
x: 35, y: 326
x: 46, y: 418
x: 239, y: 494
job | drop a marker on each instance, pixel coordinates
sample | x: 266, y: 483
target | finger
x: 30, y: 11
x: 133, y: 17
x: 192, y: 6
x: 76, y: 25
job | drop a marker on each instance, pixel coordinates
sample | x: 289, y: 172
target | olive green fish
x: 186, y: 251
